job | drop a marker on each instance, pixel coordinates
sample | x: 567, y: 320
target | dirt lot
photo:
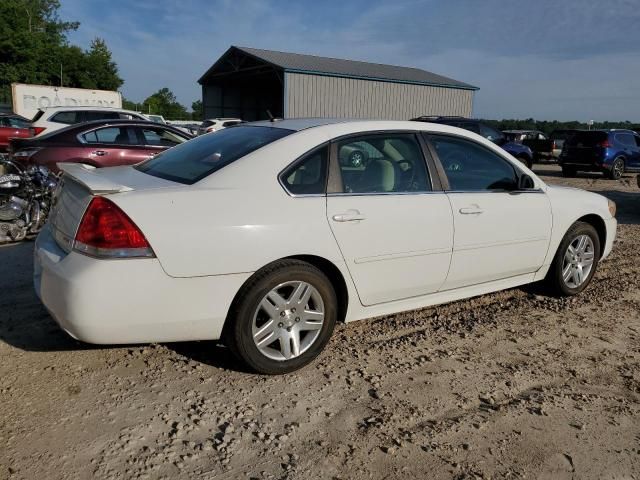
x: 509, y: 385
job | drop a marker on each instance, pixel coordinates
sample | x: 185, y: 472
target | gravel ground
x: 509, y: 385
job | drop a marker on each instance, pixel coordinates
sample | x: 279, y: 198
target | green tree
x: 34, y: 46
x: 130, y: 105
x: 197, y: 110
x: 164, y: 103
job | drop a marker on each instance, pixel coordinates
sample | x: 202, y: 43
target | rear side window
x: 99, y: 115
x: 158, y: 137
x: 309, y: 175
x: 232, y: 122
x: 68, y: 118
x: 14, y: 122
x: 587, y: 139
x: 472, y: 167
x: 198, y: 158
x: 626, y: 139
x: 109, y: 135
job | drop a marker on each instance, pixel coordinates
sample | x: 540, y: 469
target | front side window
x: 384, y: 163
x: 308, y: 176
x: 108, y: 135
x: 198, y: 158
x: 472, y: 167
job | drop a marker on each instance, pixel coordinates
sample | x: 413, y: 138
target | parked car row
x: 518, y: 150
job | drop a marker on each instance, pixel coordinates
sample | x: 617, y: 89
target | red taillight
x: 605, y: 144
x: 106, y: 231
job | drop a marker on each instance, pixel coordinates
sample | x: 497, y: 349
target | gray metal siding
x: 326, y: 96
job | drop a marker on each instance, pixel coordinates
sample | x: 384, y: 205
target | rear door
x: 500, y: 231
x: 392, y: 223
x: 113, y: 145
x: 631, y: 149
x: 635, y: 163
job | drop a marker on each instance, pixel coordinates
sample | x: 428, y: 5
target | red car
x: 13, y: 126
x: 102, y: 143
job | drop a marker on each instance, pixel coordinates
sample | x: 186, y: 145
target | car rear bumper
x: 128, y: 301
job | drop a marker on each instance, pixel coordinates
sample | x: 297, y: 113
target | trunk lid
x: 80, y: 183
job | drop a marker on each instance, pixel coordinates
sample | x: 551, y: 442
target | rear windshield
x: 587, y: 139
x: 193, y: 160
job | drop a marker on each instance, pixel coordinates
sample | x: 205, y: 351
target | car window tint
x: 198, y: 158
x: 385, y: 163
x: 161, y: 138
x: 472, y: 167
x: 127, y: 116
x: 489, y: 133
x: 18, y: 122
x: 309, y: 175
x: 68, y: 118
x: 108, y: 135
x: 100, y: 115
x: 228, y: 124
x: 625, y: 139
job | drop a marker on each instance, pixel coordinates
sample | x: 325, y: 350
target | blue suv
x: 611, y: 152
x: 518, y: 150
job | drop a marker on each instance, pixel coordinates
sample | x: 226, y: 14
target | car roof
x: 297, y: 124
x: 521, y: 131
x: 80, y: 127
x: 101, y: 109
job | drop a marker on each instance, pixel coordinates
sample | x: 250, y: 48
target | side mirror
x: 525, y: 182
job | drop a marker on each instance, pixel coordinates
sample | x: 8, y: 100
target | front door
x: 394, y: 231
x: 500, y: 231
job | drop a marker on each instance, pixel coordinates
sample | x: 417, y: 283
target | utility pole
x: 61, y: 74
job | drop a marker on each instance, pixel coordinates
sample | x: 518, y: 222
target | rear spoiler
x: 87, y: 176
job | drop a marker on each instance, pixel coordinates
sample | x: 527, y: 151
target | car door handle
x: 472, y: 210
x: 99, y: 153
x: 349, y: 216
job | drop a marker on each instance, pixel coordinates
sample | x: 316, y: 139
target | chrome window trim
x: 372, y: 194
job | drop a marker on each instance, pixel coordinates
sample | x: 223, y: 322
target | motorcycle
x: 25, y: 199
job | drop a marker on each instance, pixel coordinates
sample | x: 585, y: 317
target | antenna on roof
x: 271, y: 117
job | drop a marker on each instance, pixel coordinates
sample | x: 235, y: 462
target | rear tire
x: 617, y: 169
x: 568, y: 172
x: 282, y: 317
x: 526, y: 160
x: 575, y: 261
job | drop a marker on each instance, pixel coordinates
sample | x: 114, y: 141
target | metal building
x: 246, y: 82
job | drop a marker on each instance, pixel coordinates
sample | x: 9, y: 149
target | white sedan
x: 267, y: 234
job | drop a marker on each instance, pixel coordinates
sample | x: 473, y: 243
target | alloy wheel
x: 578, y: 261
x: 288, y: 320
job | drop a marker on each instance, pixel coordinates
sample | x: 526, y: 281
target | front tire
x: 617, y: 169
x: 575, y: 261
x: 283, y: 317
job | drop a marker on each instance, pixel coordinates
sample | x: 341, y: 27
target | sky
x: 543, y: 59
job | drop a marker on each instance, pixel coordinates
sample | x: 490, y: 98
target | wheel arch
x: 597, y: 222
x: 325, y: 266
